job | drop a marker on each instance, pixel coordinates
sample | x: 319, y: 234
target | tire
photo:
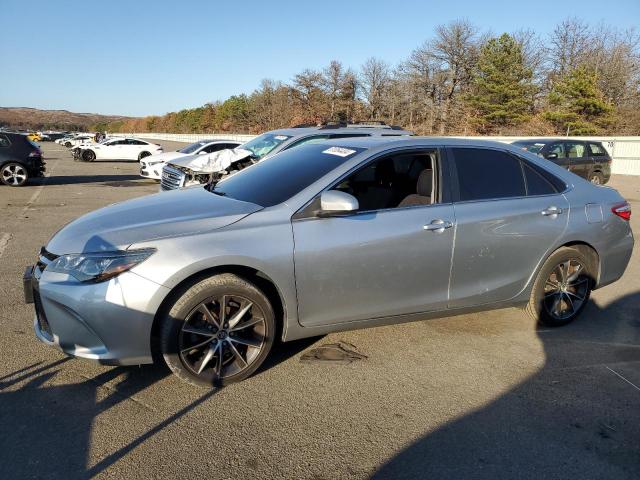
x: 569, y: 287
x: 14, y: 174
x: 596, y: 178
x: 203, y: 352
x: 142, y: 155
x: 88, y: 155
x: 67, y: 144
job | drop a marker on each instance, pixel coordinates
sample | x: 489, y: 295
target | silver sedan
x: 329, y: 236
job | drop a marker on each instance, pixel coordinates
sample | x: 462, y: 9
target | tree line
x: 580, y: 79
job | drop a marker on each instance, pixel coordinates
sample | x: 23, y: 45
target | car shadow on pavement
x: 78, y: 179
x: 577, y: 417
x: 47, y: 426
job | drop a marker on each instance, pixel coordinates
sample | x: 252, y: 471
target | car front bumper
x: 151, y: 171
x: 109, y: 322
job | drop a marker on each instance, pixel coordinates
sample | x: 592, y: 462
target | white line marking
x: 4, y: 241
x: 613, y: 371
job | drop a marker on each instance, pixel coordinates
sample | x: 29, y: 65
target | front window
x: 284, y: 175
x: 193, y: 148
x: 533, y: 147
x: 265, y: 143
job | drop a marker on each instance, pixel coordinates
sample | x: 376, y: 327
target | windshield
x: 282, y: 176
x: 533, y: 147
x: 192, y: 148
x: 262, y: 145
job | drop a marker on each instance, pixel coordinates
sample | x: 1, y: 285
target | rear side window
x: 4, y: 141
x: 487, y: 174
x: 537, y: 184
x: 597, y: 150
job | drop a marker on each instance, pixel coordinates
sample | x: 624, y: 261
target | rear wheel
x: 562, y: 288
x: 218, y: 332
x: 596, y: 178
x: 14, y: 174
x: 143, y: 154
x: 88, y: 155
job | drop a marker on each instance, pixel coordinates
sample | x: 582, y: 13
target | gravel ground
x: 487, y: 395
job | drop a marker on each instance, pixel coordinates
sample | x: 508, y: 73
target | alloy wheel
x: 566, y: 289
x: 14, y: 174
x: 595, y: 180
x: 222, y: 336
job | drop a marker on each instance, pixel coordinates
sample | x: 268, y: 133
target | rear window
x: 276, y: 179
x: 597, y: 150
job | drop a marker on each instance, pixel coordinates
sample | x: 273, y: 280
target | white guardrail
x: 625, y: 151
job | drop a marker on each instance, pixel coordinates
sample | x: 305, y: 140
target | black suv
x: 588, y: 159
x: 20, y: 159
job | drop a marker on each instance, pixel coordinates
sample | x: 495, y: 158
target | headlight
x: 155, y: 162
x: 98, y: 267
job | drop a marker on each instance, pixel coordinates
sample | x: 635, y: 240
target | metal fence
x: 625, y: 151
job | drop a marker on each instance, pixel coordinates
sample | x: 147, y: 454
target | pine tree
x: 502, y: 85
x: 576, y: 105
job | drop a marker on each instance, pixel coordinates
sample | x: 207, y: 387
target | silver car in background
x: 329, y: 236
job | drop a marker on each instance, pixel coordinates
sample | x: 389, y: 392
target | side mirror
x: 334, y: 203
x: 551, y: 156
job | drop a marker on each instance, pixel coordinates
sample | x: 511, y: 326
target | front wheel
x: 562, y: 288
x: 14, y: 174
x: 218, y: 332
x: 88, y: 155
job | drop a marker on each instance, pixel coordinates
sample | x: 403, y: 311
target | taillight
x: 623, y: 210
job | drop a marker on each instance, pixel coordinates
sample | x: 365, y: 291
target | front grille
x: 43, y: 324
x: 172, y: 178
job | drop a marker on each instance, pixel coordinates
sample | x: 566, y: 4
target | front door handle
x: 549, y: 211
x: 438, y: 225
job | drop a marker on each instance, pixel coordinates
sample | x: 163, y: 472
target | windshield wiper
x: 218, y: 192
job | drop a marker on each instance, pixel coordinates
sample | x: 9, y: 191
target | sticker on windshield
x: 281, y: 137
x: 339, y: 151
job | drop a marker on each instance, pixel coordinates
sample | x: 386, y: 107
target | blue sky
x: 150, y: 57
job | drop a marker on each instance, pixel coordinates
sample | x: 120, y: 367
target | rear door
x: 508, y: 216
x: 579, y: 162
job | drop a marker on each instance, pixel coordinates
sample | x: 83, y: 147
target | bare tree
x: 375, y: 77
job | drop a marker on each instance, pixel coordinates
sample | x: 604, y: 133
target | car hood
x: 167, y: 214
x: 164, y: 157
x: 214, y: 162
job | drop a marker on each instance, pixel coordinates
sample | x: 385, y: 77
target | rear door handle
x: 551, y: 211
x: 438, y: 225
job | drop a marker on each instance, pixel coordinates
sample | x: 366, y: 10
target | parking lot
x: 487, y: 395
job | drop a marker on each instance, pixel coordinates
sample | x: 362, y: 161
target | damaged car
x: 195, y: 169
x: 151, y: 167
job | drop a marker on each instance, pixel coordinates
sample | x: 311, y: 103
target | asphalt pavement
x: 489, y: 395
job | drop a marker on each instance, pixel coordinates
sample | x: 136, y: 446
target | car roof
x: 549, y: 140
x: 375, y: 130
x: 370, y: 143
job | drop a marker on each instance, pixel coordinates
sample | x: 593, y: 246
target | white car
x: 77, y: 140
x: 119, y: 148
x: 151, y: 167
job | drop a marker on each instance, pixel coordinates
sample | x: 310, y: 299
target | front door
x: 391, y: 258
